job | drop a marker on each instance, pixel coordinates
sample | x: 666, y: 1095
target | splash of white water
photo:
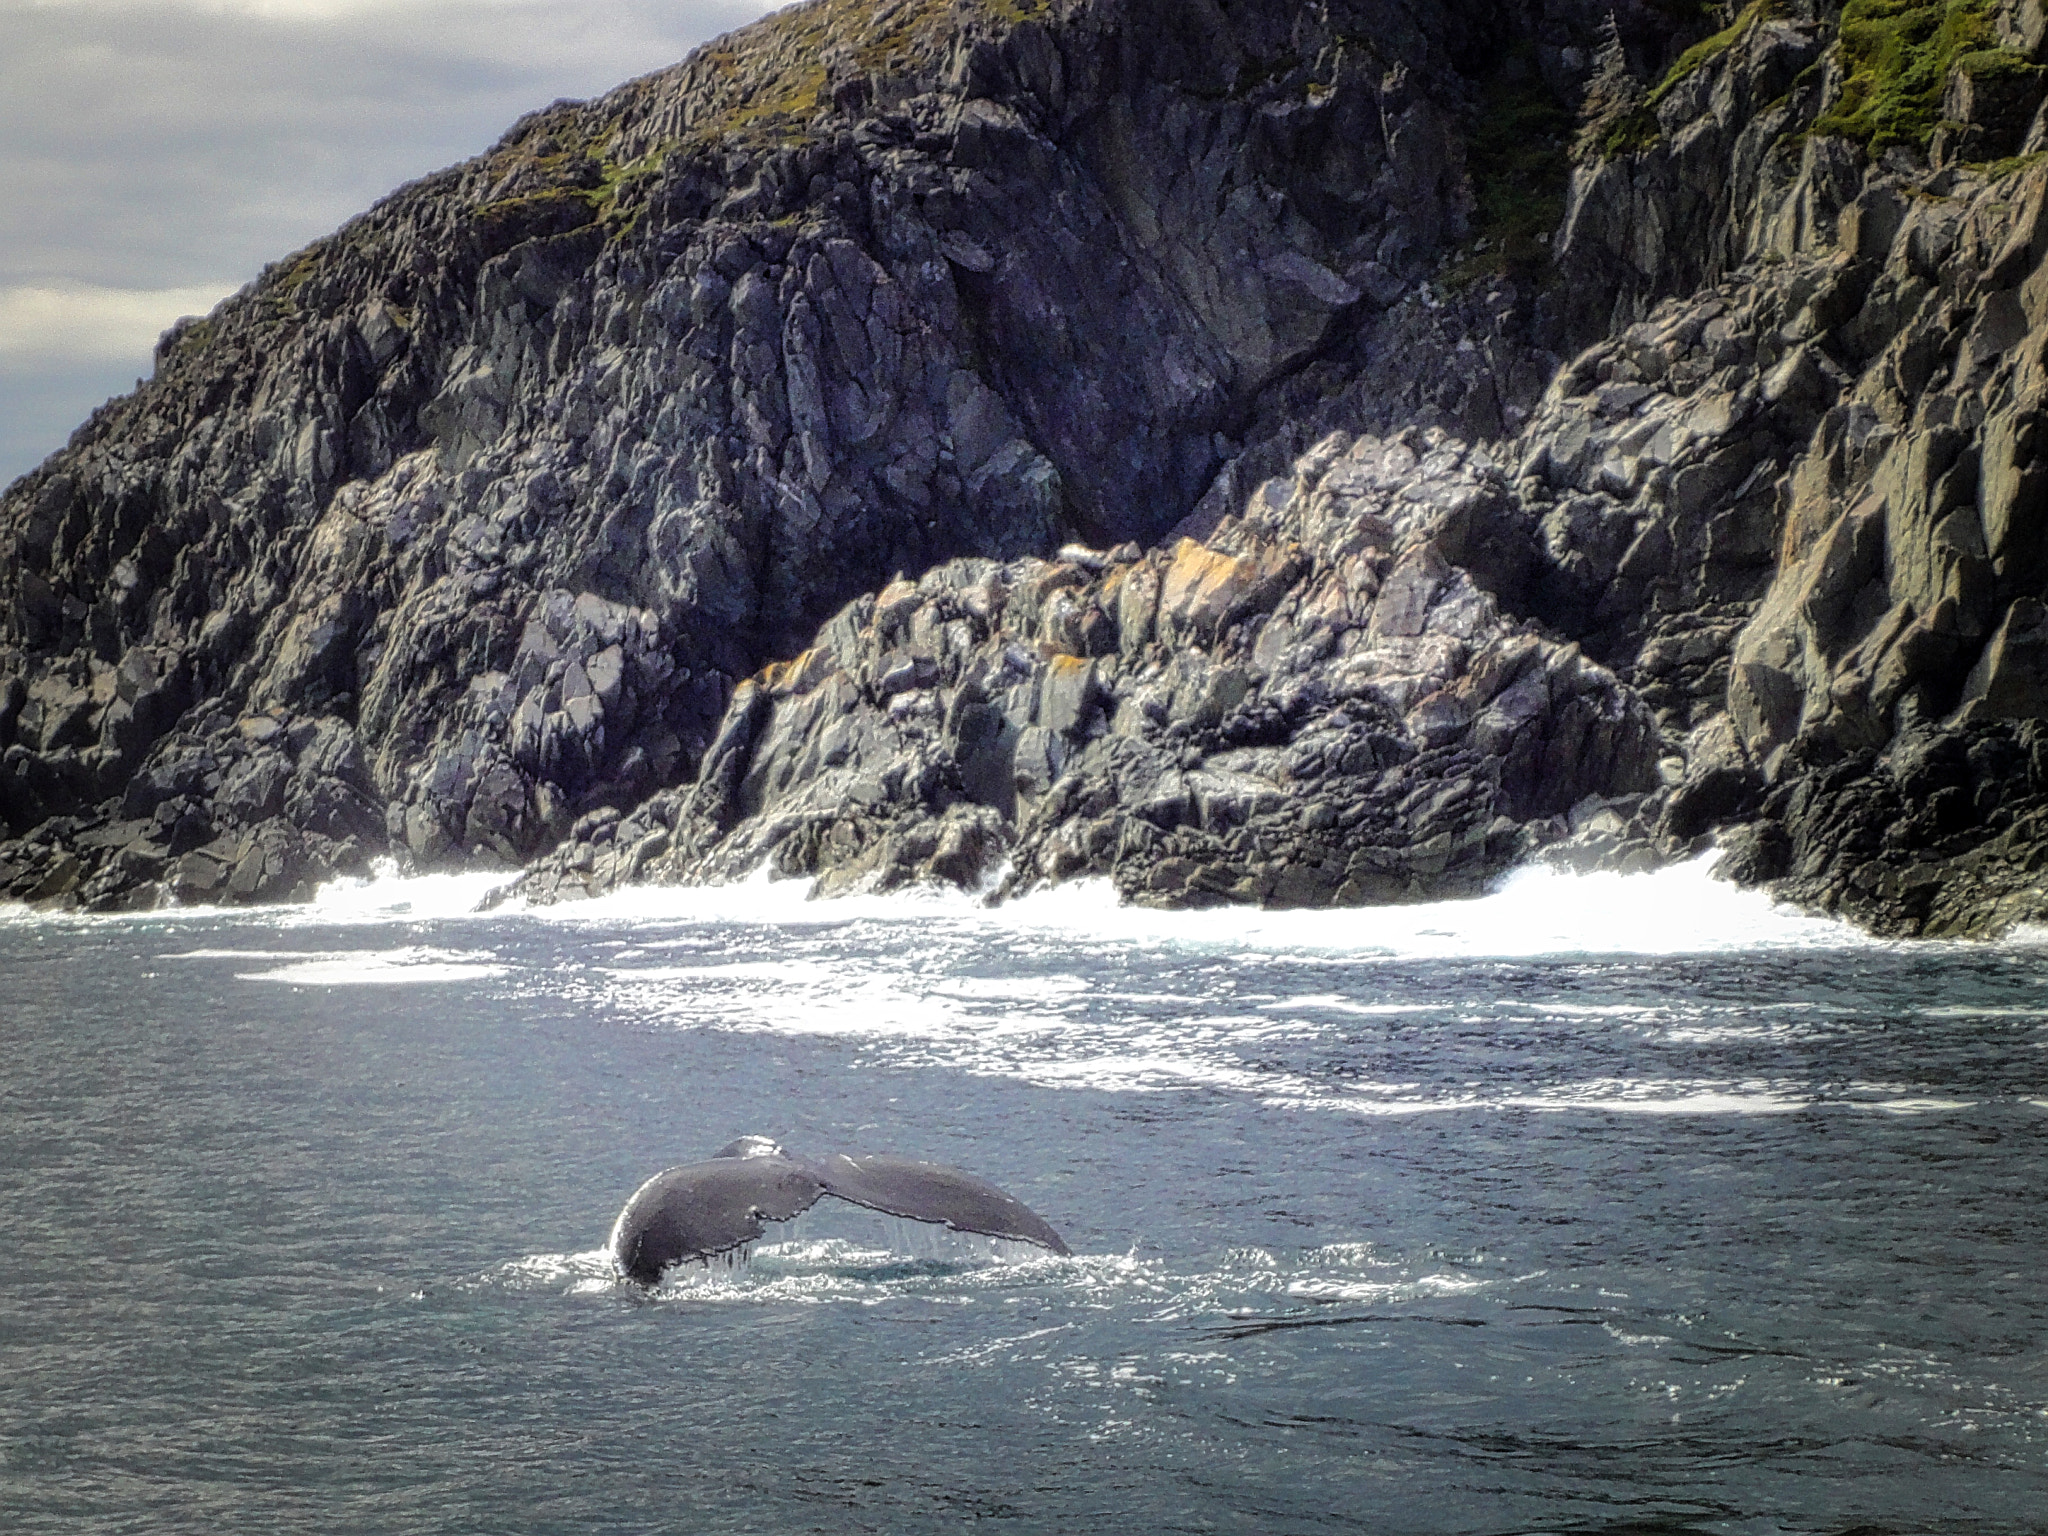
x: 1533, y: 911
x: 1530, y: 912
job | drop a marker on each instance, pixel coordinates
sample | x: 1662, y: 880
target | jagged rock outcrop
x: 1322, y: 703
x: 1942, y: 834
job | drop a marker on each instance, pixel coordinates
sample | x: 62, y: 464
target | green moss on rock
x: 770, y: 79
x: 1998, y: 64
x: 1704, y: 52
x: 1628, y: 134
x: 1895, y: 57
x: 2012, y: 165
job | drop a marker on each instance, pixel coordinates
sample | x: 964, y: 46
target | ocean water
x: 1599, y: 1204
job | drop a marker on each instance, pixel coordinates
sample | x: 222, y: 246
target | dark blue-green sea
x: 1600, y: 1204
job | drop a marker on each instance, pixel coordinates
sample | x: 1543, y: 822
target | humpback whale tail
x: 701, y: 1210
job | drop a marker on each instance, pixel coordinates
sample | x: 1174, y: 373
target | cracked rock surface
x: 1321, y: 703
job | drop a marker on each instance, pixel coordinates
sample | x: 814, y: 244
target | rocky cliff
x: 1295, y: 453
x: 1321, y: 703
x: 1810, y: 469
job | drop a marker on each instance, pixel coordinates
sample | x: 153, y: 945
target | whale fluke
x: 701, y: 1210
x: 704, y: 1209
x: 897, y: 1186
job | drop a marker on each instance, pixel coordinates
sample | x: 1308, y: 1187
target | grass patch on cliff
x: 297, y: 270
x: 281, y: 287
x: 1620, y: 120
x: 1708, y: 49
x: 196, y: 337
x: 1628, y: 134
x: 2012, y: 165
x: 1895, y: 57
x: 566, y: 172
x: 759, y: 88
x: 768, y: 81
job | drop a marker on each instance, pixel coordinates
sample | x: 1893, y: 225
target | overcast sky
x: 154, y: 154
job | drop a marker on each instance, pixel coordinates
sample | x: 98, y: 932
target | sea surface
x: 1600, y: 1204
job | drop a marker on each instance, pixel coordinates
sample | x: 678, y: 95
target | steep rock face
x: 500, y: 490
x: 1825, y: 561
x: 1322, y: 703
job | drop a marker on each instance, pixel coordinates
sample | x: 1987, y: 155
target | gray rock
x: 1312, y: 707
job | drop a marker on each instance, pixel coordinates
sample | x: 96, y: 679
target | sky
x: 155, y: 154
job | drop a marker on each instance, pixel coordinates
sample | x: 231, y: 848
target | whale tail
x: 699, y: 1211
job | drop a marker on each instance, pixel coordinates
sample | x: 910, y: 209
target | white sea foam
x: 1028, y: 988
x: 1984, y: 1013
x: 1921, y: 1106
x: 1724, y: 1034
x: 1606, y: 1096
x: 410, y: 966
x: 1258, y: 1004
x: 794, y: 997
x: 1534, y: 911
x: 1141, y: 1074
x: 802, y: 1262
x: 1330, y: 1002
x: 1667, y: 1099
x: 760, y: 899
x: 775, y: 973
x: 386, y: 896
x: 1173, y: 1043
x: 846, y: 1257
x: 1358, y: 1104
x: 588, y: 1273
x: 1632, y: 1098
x: 1316, y: 1288
x: 249, y: 954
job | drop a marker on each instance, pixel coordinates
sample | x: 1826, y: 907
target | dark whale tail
x: 701, y: 1210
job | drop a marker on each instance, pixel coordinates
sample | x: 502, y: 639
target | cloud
x: 151, y: 148
x: 85, y: 325
x: 154, y: 144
